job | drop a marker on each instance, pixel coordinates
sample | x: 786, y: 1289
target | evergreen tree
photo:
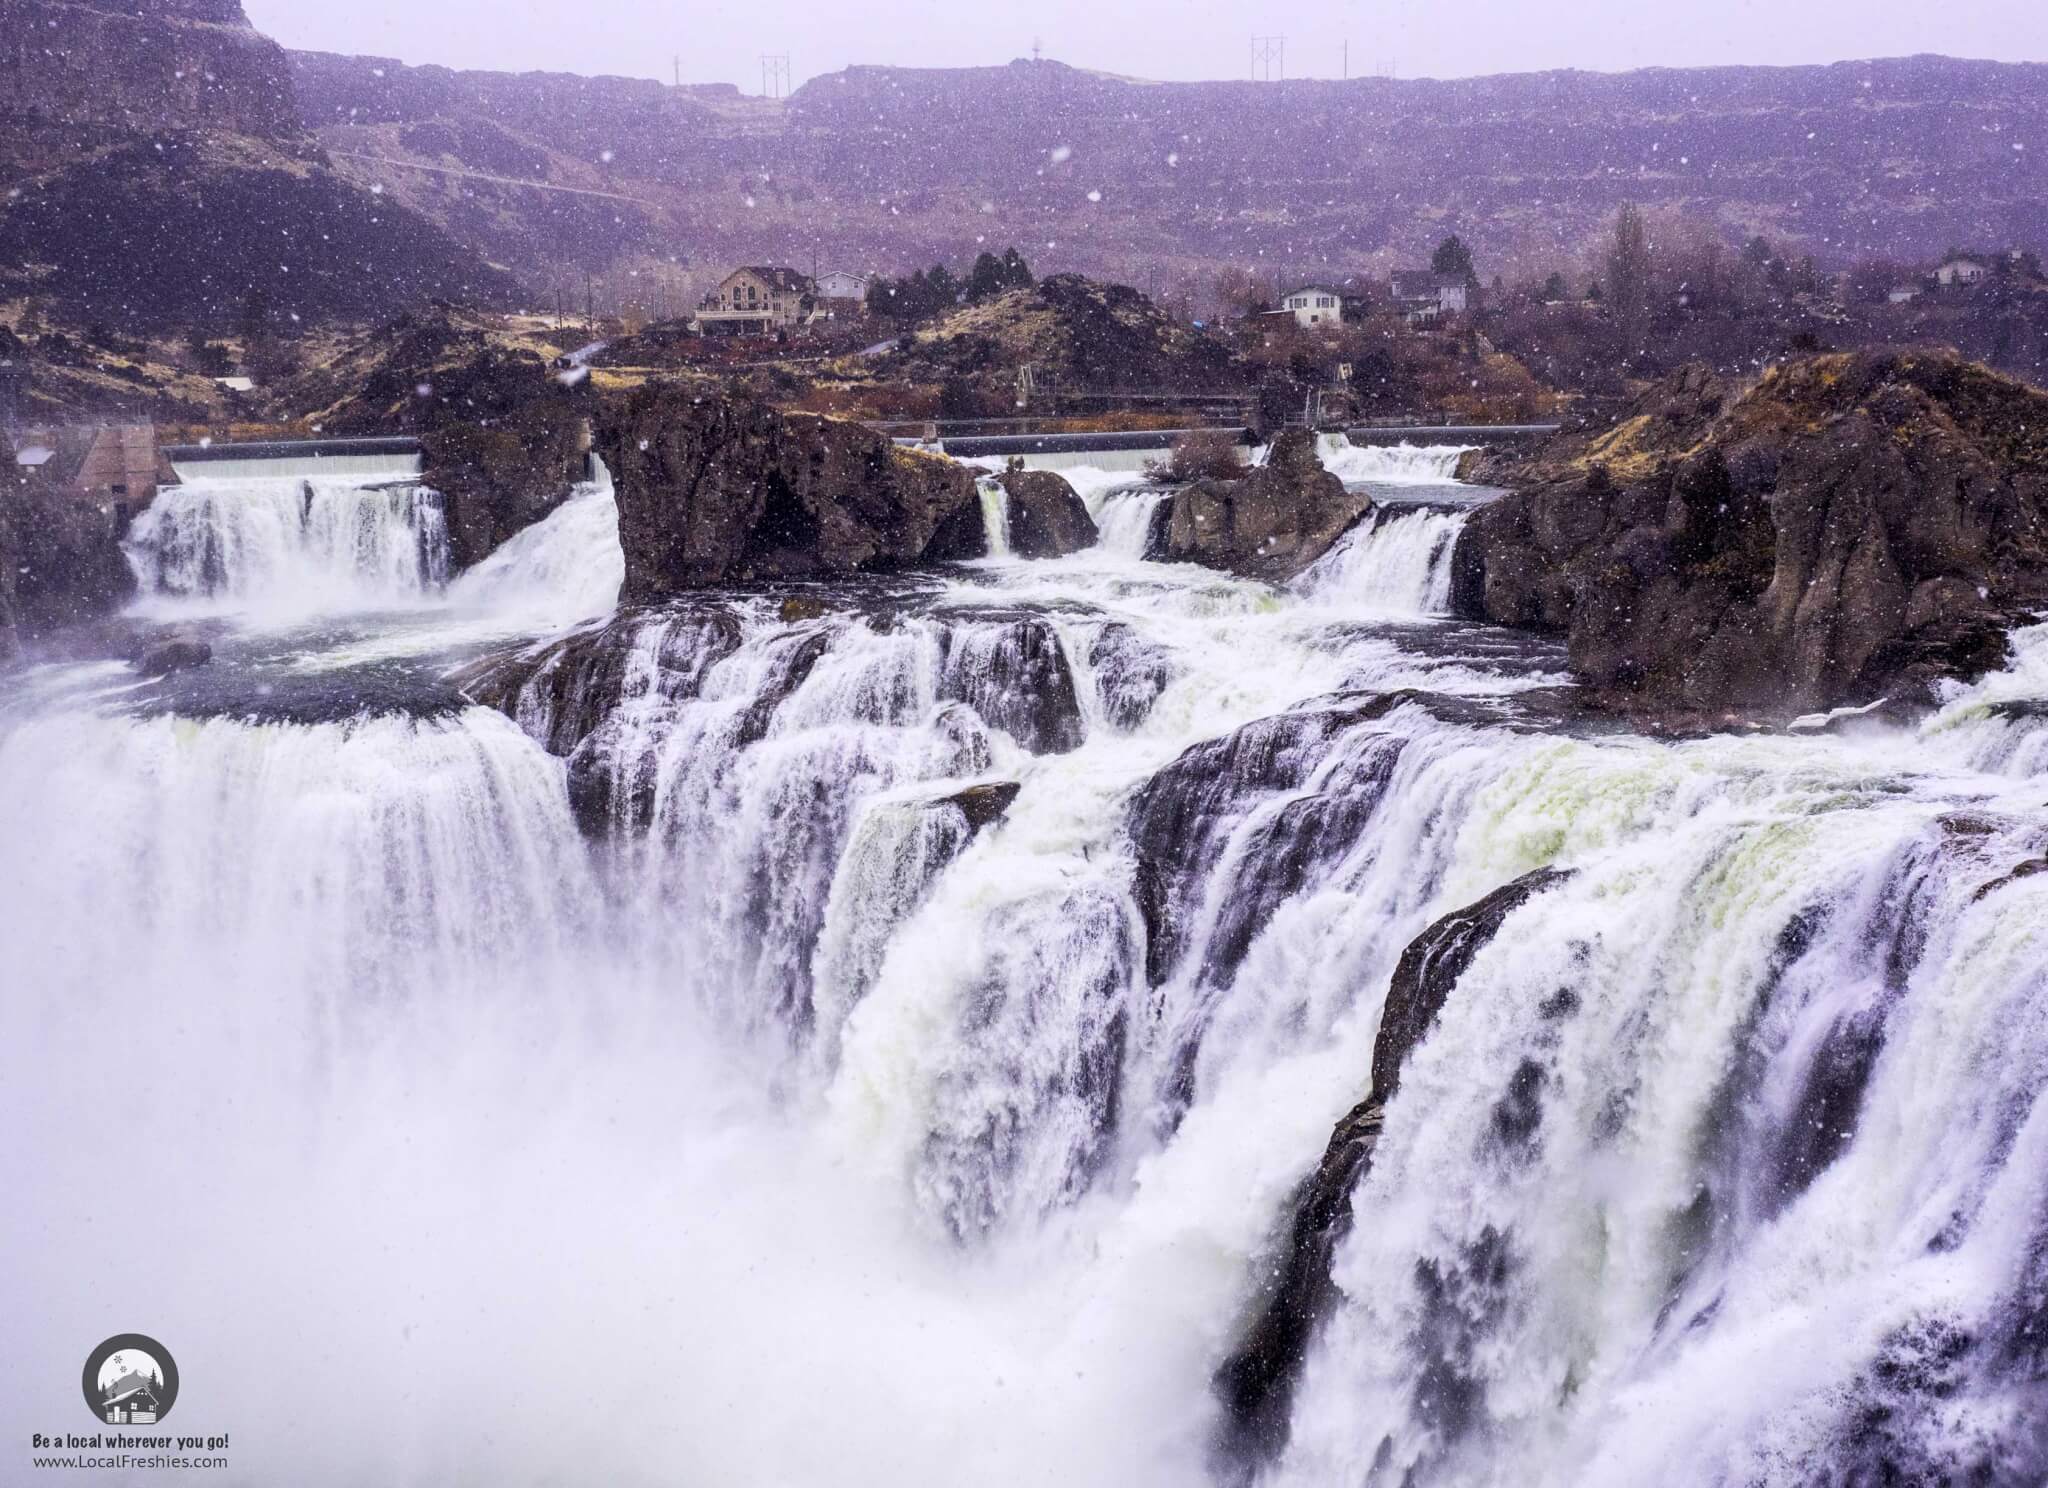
x: 1453, y: 260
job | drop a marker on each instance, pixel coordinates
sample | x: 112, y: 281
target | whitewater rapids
x: 662, y: 1079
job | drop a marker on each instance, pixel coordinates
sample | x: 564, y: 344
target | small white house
x: 839, y: 284
x: 1314, y: 305
x: 1961, y: 269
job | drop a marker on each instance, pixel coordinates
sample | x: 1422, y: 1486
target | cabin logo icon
x: 130, y: 1380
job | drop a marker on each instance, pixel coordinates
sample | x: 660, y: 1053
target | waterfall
x: 1397, y: 560
x: 995, y: 517
x: 568, y: 566
x: 291, y: 542
x: 927, y: 1019
x: 1124, y: 520
x: 1389, y: 465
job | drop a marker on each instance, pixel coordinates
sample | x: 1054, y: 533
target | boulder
x: 1270, y: 525
x: 173, y: 656
x: 982, y: 805
x: 717, y: 490
x: 1047, y: 518
x: 1847, y: 529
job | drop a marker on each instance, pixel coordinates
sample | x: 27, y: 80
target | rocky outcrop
x: 504, y: 441
x: 1047, y: 518
x: 60, y: 565
x: 1256, y: 1382
x: 1849, y: 528
x: 724, y: 490
x: 1270, y: 525
x: 179, y: 655
x: 1013, y: 672
x: 158, y: 179
x: 93, y: 65
x: 982, y: 805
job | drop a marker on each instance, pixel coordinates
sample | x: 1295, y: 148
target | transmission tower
x: 1269, y: 59
x: 775, y: 74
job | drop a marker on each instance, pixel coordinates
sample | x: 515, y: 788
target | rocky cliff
x: 719, y: 490
x: 158, y: 177
x: 145, y: 66
x: 1849, y: 528
x: 1271, y: 524
x: 60, y: 565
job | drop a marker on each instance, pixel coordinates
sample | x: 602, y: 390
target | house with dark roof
x: 129, y: 1401
x: 758, y: 300
x: 1961, y: 269
x: 1422, y: 294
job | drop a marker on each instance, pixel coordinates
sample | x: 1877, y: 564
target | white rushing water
x: 1396, y: 560
x: 294, y: 543
x: 1389, y: 464
x: 674, y: 1077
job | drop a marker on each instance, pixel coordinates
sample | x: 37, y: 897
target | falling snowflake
x: 1061, y: 154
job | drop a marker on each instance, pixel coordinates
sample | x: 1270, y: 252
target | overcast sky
x: 723, y: 41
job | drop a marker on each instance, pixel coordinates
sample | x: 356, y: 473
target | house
x: 1423, y: 295
x: 129, y: 1400
x: 839, y: 284
x: 758, y: 300
x: 1963, y: 269
x: 1314, y: 305
x: 1904, y: 294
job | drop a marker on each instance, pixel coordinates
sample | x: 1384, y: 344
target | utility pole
x: 679, y: 69
x: 1269, y: 59
x: 1347, y: 61
x: 775, y: 74
x: 589, y: 306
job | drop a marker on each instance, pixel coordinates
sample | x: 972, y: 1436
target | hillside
x: 157, y: 178
x: 891, y: 167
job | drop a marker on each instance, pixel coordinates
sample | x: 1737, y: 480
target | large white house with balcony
x: 757, y: 301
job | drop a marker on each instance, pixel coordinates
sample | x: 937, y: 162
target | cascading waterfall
x: 294, y: 541
x: 1389, y: 464
x: 1398, y: 560
x: 995, y: 517
x: 915, y: 1022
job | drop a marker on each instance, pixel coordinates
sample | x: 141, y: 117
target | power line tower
x: 775, y: 74
x: 1269, y: 59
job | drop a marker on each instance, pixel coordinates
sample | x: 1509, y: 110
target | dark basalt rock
x: 1014, y: 673
x: 1130, y: 673
x: 982, y: 805
x: 174, y: 656
x: 1047, y: 518
x: 1848, y: 529
x: 1256, y: 1382
x: 725, y: 490
x: 504, y: 442
x: 1270, y: 525
x: 1181, y: 818
x: 60, y: 565
x: 565, y: 690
